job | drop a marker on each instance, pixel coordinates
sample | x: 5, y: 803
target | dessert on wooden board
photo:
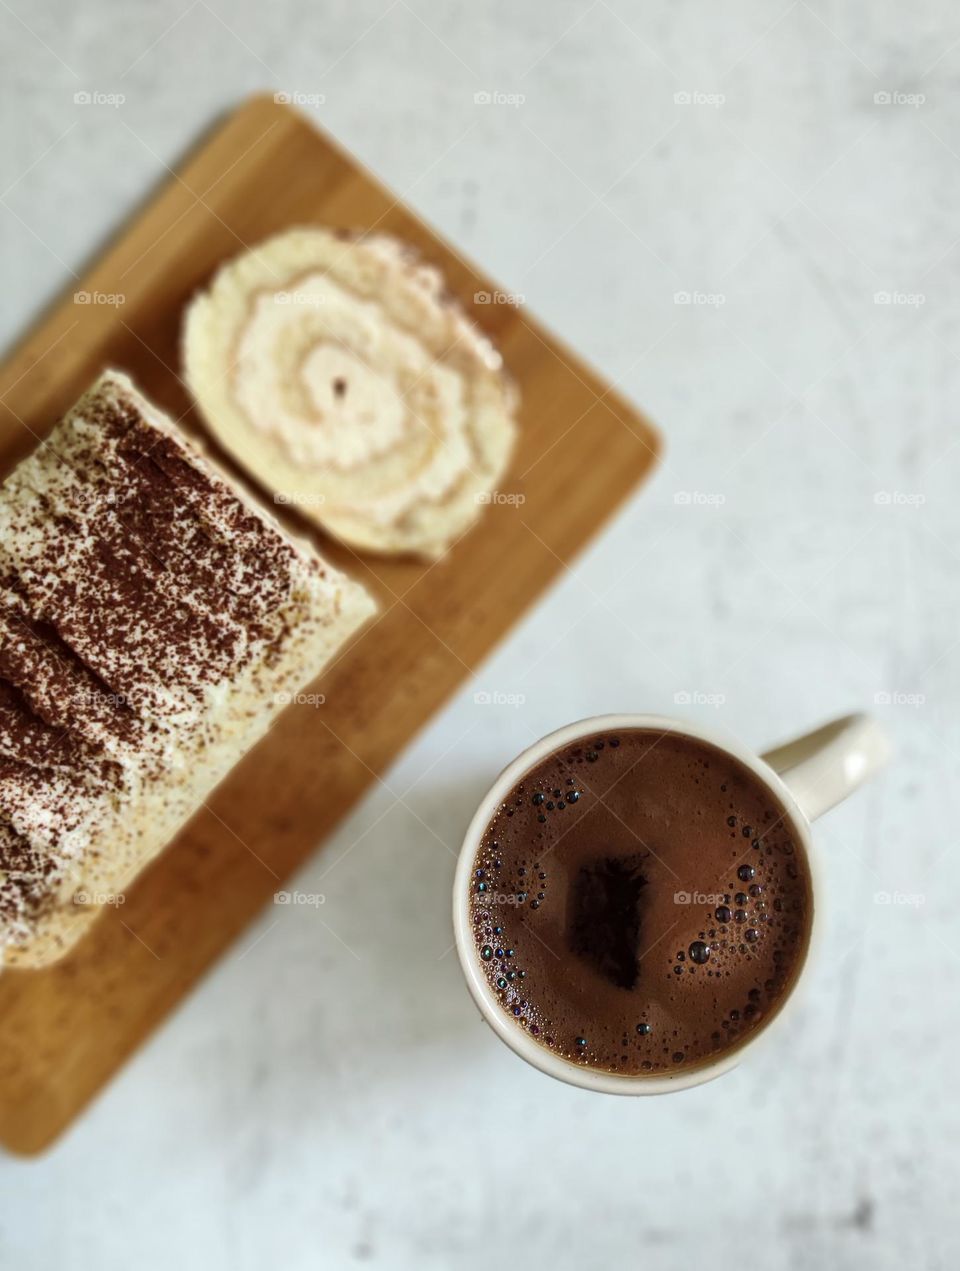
x: 71, y: 1025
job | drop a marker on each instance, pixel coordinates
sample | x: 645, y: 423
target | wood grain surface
x: 64, y: 1030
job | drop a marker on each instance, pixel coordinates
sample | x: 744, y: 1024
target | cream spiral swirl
x: 342, y: 376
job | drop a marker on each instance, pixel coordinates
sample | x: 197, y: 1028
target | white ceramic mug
x: 807, y: 776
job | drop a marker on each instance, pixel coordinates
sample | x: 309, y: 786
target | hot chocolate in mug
x: 560, y: 891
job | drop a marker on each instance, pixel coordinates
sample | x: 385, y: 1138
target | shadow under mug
x: 807, y: 776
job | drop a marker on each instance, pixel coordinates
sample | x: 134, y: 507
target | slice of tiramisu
x: 153, y: 620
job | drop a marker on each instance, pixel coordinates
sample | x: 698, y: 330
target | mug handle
x: 822, y: 767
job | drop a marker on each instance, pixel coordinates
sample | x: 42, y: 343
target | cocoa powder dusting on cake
x: 134, y: 583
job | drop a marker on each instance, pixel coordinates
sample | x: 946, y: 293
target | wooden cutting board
x: 66, y: 1029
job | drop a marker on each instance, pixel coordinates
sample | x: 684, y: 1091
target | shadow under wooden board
x: 66, y: 1029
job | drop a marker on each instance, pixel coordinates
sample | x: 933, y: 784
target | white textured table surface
x: 328, y: 1097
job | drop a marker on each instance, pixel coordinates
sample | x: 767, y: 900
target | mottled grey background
x: 328, y: 1097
